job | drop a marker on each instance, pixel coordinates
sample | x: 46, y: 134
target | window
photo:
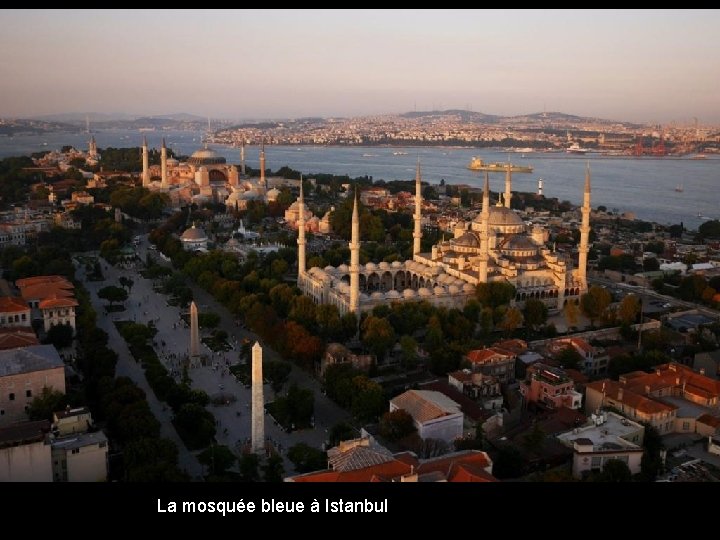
x: 103, y: 444
x: 596, y: 462
x: 2, y: 412
x: 24, y: 317
x: 11, y: 397
x: 686, y: 426
x: 28, y: 393
x: 75, y: 450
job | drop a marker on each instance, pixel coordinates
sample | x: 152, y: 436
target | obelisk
x: 194, y: 331
x: 258, y: 405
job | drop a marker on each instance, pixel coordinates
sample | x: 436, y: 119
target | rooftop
x: 11, y: 304
x: 80, y: 440
x: 606, y: 436
x: 23, y: 433
x: 29, y: 359
x: 425, y: 405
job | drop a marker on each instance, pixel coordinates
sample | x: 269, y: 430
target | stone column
x: 258, y: 402
x: 194, y: 331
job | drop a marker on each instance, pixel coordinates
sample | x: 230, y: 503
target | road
x: 128, y: 367
x: 173, y: 340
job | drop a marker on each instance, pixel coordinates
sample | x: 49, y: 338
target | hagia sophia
x: 495, y: 246
x: 206, y: 177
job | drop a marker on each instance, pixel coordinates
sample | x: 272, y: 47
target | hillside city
x: 181, y: 318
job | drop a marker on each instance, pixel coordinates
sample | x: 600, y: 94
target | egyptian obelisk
x: 194, y: 331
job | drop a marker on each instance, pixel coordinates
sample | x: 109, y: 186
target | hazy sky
x: 654, y: 66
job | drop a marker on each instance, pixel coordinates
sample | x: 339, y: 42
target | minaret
x: 584, y: 233
x: 242, y: 158
x: 301, y: 233
x: 508, y: 186
x: 484, y: 232
x: 540, y: 187
x: 163, y: 165
x: 417, y: 232
x: 194, y: 331
x: 257, y: 428
x: 261, y: 184
x: 145, y: 164
x: 92, y: 147
x: 355, y: 262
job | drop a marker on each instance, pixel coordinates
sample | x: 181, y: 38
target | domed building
x: 206, y: 156
x: 496, y: 246
x: 205, y: 176
x: 194, y: 239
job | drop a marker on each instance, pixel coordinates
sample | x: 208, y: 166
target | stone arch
x: 216, y: 175
x: 373, y: 282
x: 386, y: 281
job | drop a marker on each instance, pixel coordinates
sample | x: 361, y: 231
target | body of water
x: 644, y: 186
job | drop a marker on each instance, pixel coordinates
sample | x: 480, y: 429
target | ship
x: 477, y: 164
x: 575, y: 149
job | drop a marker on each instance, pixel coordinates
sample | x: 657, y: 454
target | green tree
x: 378, y: 336
x: 113, y: 294
x: 217, y: 458
x: 594, y: 303
x: 152, y: 460
x: 60, y: 335
x: 569, y: 358
x: 535, y: 313
x: 409, y: 349
x: 651, y: 462
x: 44, y: 405
x: 368, y: 399
x: 273, y: 470
x: 534, y: 440
x: 277, y: 372
x: 249, y: 465
x: 396, y: 425
x: 195, y: 425
x: 305, y: 458
x: 629, y: 309
x: 511, y: 321
x: 341, y: 431
x: 495, y: 293
x: 571, y: 312
x: 208, y: 320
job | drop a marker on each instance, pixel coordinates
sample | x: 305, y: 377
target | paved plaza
x: 172, y: 344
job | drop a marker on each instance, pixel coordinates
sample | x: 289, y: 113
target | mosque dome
x: 193, y: 233
x: 392, y: 295
x: 467, y: 240
x: 396, y: 264
x: 206, y: 156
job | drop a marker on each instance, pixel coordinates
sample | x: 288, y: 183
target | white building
x: 435, y: 415
x: 609, y: 436
x: 25, y: 453
x: 194, y: 239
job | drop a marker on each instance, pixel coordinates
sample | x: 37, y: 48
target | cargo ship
x: 477, y: 164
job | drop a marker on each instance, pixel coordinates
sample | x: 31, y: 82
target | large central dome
x: 206, y: 156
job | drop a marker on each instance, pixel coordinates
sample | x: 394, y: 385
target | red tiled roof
x: 630, y: 398
x: 13, y: 338
x: 12, y: 304
x: 481, y: 356
x: 56, y: 301
x: 709, y: 420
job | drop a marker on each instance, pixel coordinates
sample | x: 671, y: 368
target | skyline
x: 254, y: 64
